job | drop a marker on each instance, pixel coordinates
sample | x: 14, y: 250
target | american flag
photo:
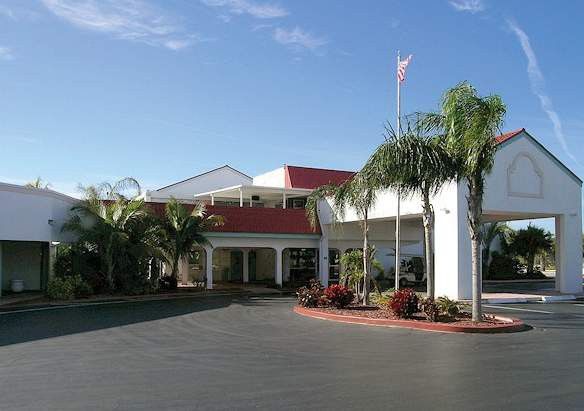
x: 401, y: 68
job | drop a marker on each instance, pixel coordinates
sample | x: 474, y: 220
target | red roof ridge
x: 320, y: 168
x: 509, y: 135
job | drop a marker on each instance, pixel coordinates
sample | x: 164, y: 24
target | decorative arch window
x: 524, y: 177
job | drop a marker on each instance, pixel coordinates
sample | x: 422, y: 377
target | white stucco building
x: 267, y: 238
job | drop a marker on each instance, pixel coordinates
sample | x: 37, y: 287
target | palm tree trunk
x: 365, y: 259
x: 428, y: 220
x: 475, y: 210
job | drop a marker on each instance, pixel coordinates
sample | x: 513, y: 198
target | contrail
x: 537, y: 83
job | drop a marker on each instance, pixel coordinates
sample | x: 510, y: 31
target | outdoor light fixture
x: 51, y: 221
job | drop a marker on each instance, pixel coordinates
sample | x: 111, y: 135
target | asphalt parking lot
x: 255, y: 353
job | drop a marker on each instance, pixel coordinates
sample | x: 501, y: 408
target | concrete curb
x: 133, y: 299
x: 511, y: 324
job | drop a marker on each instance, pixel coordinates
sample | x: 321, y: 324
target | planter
x: 17, y: 286
x: 506, y: 324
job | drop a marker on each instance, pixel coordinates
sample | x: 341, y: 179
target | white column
x: 209, y: 266
x: 569, y: 253
x: 452, y: 247
x: 284, y: 199
x: 323, y: 257
x: 245, y: 265
x: 212, y: 199
x: 241, y: 197
x: 52, y: 258
x: 278, y: 276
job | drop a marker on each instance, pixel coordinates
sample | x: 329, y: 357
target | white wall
x: 25, y: 214
x: 274, y: 178
x: 219, y: 178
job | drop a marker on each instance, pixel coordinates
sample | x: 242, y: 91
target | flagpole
x: 397, y: 218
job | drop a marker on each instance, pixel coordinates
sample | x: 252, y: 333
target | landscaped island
x: 402, y: 308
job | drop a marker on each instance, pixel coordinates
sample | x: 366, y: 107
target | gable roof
x: 202, y: 174
x: 509, y: 137
x: 311, y: 178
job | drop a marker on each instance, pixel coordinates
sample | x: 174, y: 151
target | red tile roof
x: 307, y: 177
x: 508, y: 136
x: 254, y: 220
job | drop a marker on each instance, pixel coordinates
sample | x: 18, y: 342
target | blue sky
x: 162, y: 90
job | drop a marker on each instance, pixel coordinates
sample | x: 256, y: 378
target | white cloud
x: 252, y: 8
x: 125, y: 19
x: 6, y: 53
x: 537, y: 82
x: 472, y: 6
x: 298, y: 39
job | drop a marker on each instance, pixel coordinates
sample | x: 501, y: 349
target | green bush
x: 447, y: 307
x: 503, y: 267
x: 68, y: 288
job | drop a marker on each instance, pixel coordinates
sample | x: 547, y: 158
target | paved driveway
x: 229, y: 353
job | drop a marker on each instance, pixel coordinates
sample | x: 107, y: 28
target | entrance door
x: 236, y: 266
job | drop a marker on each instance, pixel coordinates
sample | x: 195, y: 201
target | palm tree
x: 530, y: 241
x: 103, y: 220
x: 37, y: 183
x: 490, y: 231
x: 469, y: 123
x: 359, y: 194
x: 415, y: 165
x: 183, y: 230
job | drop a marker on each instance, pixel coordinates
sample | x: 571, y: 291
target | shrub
x: 68, y: 288
x: 168, y: 282
x: 310, y: 295
x: 503, y: 267
x: 339, y: 296
x: 448, y: 307
x: 404, y: 303
x: 381, y: 299
x: 430, y: 309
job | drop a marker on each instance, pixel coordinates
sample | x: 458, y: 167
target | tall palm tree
x: 103, y: 220
x: 183, y: 230
x: 359, y: 194
x: 415, y: 165
x: 469, y: 123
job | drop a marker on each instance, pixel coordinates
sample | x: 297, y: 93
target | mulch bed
x: 373, y: 315
x: 385, y: 313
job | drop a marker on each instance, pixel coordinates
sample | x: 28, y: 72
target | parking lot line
x: 519, y: 309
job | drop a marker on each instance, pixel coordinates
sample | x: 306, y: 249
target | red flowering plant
x: 311, y: 295
x: 339, y: 296
x: 404, y: 303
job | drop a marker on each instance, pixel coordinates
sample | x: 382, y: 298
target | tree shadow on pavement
x: 17, y: 327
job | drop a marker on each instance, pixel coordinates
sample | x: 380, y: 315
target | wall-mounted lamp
x: 51, y: 221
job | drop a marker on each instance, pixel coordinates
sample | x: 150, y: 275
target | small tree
x: 413, y: 165
x: 359, y: 194
x: 529, y: 242
x: 104, y: 220
x: 183, y: 230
